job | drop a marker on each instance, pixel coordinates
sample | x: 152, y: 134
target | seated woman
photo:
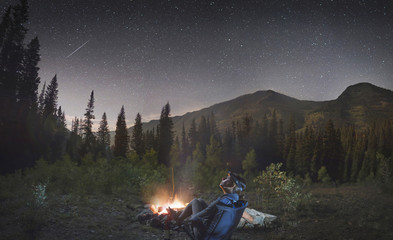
x: 219, y: 219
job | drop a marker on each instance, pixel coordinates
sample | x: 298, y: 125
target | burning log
x: 157, y: 216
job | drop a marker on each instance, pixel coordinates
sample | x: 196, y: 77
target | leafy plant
x: 274, y: 184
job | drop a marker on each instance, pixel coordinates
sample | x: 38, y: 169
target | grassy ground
x: 346, y: 212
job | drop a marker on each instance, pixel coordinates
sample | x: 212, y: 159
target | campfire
x: 160, y: 208
x: 171, y: 201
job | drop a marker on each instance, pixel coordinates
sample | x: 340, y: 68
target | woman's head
x: 232, y: 183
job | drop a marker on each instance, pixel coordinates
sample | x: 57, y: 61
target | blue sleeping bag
x: 220, y: 218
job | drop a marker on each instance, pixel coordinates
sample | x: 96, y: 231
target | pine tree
x: 58, y: 136
x: 358, y: 155
x: 214, y: 155
x: 175, y: 154
x: 12, y: 53
x: 137, y: 143
x: 149, y: 140
x: 280, y: 140
x: 61, y: 119
x: 50, y: 102
x: 197, y: 154
x: 316, y: 161
x: 121, y: 137
x: 15, y: 150
x: 28, y: 84
x: 193, y: 135
x: 41, y: 100
x: 244, y: 134
x: 89, y: 140
x: 103, y: 135
x: 184, y: 146
x: 5, y: 26
x: 203, y: 132
x: 273, y: 152
x: 290, y: 149
x: 74, y: 141
x: 227, y: 146
x: 332, y: 151
x: 348, y: 138
x: 305, y: 151
x: 213, y: 127
x: 369, y: 164
x: 249, y: 164
x: 166, y: 135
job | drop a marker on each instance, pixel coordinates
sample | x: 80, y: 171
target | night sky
x: 195, y: 53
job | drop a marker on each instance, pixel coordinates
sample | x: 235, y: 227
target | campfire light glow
x: 161, y: 208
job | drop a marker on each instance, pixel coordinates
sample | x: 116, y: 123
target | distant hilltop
x: 361, y: 104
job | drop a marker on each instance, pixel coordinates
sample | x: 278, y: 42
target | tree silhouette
x: 137, y: 143
x: 165, y: 135
x: 121, y: 136
x: 89, y: 140
x: 103, y: 136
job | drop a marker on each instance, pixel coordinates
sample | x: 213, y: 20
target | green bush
x: 123, y: 176
x: 275, y: 185
x: 385, y: 173
x: 323, y: 175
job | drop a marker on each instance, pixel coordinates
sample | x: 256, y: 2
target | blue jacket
x: 220, y: 218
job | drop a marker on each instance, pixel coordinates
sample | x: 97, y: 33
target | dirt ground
x: 346, y: 212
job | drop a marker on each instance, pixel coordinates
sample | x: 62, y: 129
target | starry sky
x: 195, y: 53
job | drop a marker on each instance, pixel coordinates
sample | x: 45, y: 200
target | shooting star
x: 78, y: 49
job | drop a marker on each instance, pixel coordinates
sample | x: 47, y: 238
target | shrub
x: 275, y: 185
x: 385, y: 173
x: 323, y: 175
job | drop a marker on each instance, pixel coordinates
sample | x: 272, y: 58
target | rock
x: 145, y: 215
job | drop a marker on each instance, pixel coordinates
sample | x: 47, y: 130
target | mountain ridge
x: 360, y: 104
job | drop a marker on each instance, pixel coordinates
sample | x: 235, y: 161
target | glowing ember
x: 161, y: 208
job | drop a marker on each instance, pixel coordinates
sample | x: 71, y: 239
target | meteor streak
x: 78, y: 49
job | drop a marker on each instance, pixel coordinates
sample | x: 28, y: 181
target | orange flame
x: 161, y: 208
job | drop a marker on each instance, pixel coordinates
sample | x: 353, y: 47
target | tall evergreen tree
x: 41, y: 100
x: 175, y: 154
x: 332, y: 151
x: 137, y: 143
x: 149, y: 140
x: 15, y: 146
x: 316, y: 161
x: 50, y: 102
x: 213, y: 127
x: 58, y: 136
x: 214, y: 155
x: 5, y: 26
x: 184, y: 146
x: 193, y: 135
x: 203, y: 133
x: 121, y: 137
x: 249, y: 164
x: 273, y: 152
x: 305, y: 151
x: 290, y: 146
x: 358, y: 155
x: 74, y: 141
x: 12, y: 53
x: 369, y: 164
x: 28, y: 84
x: 103, y: 135
x: 89, y: 140
x: 166, y: 135
x: 348, y: 138
x: 61, y: 119
x: 227, y: 145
